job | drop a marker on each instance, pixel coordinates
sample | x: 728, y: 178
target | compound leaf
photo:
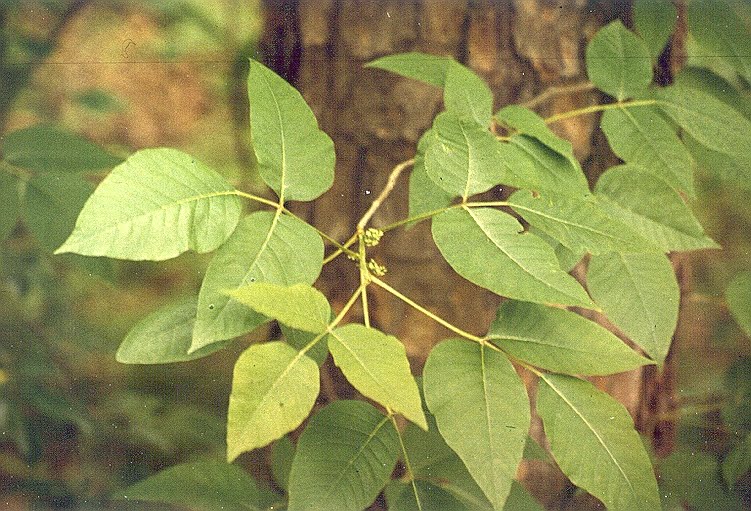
x: 164, y: 336
x: 654, y: 21
x: 430, y: 69
x: 155, y: 206
x: 592, y: 439
x: 640, y: 295
x: 482, y: 411
x: 376, y: 364
x: 299, y: 306
x: 560, y: 340
x: 344, y: 458
x: 467, y: 95
x: 484, y: 246
x: 618, y: 62
x: 738, y: 296
x: 46, y: 148
x: 274, y: 388
x: 265, y: 247
x: 295, y: 158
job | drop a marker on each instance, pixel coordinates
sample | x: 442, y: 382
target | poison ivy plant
x: 462, y: 443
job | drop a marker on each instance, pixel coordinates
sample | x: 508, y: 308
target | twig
x: 384, y: 193
x: 557, y: 90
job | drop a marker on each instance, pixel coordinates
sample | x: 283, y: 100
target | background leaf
x: 349, y: 473
x: 484, y: 246
x: 592, y: 439
x: 737, y: 463
x: 618, y: 62
x: 273, y: 390
x: 164, y: 336
x: 560, y: 340
x: 738, y: 296
x: 10, y: 205
x: 376, y: 364
x: 467, y: 95
x: 720, y: 32
x: 430, y: 69
x: 482, y: 411
x: 654, y: 21
x: 46, y: 148
x: 282, y: 455
x: 639, y: 294
x: 545, y: 169
x: 527, y: 122
x: 295, y: 158
x: 156, y: 205
x: 424, y: 195
x: 299, y: 339
x: 265, y: 247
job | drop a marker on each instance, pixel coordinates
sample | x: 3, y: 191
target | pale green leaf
x: 404, y: 497
x: 641, y: 136
x: 713, y: 123
x: 482, y: 411
x: 376, y: 365
x: 430, y: 69
x: 295, y: 158
x: 526, y: 122
x: 618, y: 62
x: 46, y: 148
x: 654, y: 21
x: 164, y: 336
x: 520, y: 500
x: 593, y: 440
x: 299, y: 340
x: 733, y: 169
x: 721, y: 33
x: 424, y: 195
x: 199, y: 485
x: 737, y: 463
x: 545, y: 169
x: 299, y: 306
x: 10, y: 205
x: 274, y: 389
x: 265, y: 247
x: 579, y: 223
x: 463, y: 158
x: 738, y: 296
x: 484, y: 246
x: 156, y: 205
x: 282, y: 455
x: 713, y: 84
x: 344, y: 458
x: 639, y: 294
x: 560, y: 340
x: 651, y: 207
x: 467, y: 95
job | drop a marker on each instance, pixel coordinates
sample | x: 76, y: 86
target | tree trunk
x: 521, y: 48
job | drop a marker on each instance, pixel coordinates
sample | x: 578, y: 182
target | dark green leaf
x: 527, y: 122
x: 520, y: 500
x: 715, y: 85
x: 467, y: 95
x: 281, y: 461
x: 537, y: 167
x: 692, y: 478
x: 295, y: 158
x: 560, y: 340
x: 430, y: 69
x: 567, y: 258
x: 344, y: 458
x: 424, y: 195
x: 738, y: 296
x: 738, y: 462
x: 720, y: 32
x: 10, y: 206
x: 403, y: 497
x: 654, y: 21
x: 45, y: 148
x: 299, y: 339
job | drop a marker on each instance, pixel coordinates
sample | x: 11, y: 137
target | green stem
x: 256, y: 198
x: 364, y: 279
x: 336, y: 253
x: 336, y: 321
x: 407, y: 464
x: 598, y: 108
x: 430, y: 214
x: 420, y: 308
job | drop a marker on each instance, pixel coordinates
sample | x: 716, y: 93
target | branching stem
x: 558, y: 90
x: 407, y: 464
x: 599, y: 108
x: 429, y: 214
x: 390, y: 183
x: 339, y: 317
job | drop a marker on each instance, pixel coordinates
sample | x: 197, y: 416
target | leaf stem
x: 256, y: 198
x: 390, y: 183
x: 598, y: 108
x: 558, y: 90
x: 375, y: 280
x: 334, y: 322
x: 340, y: 251
x: 364, y: 278
x: 407, y: 464
x: 429, y: 214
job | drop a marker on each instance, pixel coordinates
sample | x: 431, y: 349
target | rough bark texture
x: 520, y: 47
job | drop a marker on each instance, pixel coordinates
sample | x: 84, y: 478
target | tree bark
x: 521, y: 48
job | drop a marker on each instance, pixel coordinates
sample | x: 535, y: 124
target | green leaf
x: 299, y: 339
x: 45, y: 148
x: 527, y: 122
x: 567, y: 259
x: 738, y: 462
x: 295, y: 158
x: 691, y: 477
x: 651, y: 207
x: 592, y: 439
x: 376, y: 364
x: 640, y: 295
x: 520, y: 500
x: 578, y: 223
x: 618, y: 62
x: 274, y: 389
x: 482, y: 411
x: 10, y: 205
x: 705, y: 118
x: 467, y: 95
x: 344, y: 458
x: 738, y: 296
x: 51, y: 205
x: 204, y: 485
x: 463, y: 158
x: 736, y: 412
x: 164, y: 336
x: 734, y: 170
x: 537, y: 167
x: 424, y: 195
x: 155, y: 206
x: 299, y: 306
x: 560, y: 340
x: 643, y: 137
x: 720, y: 32
x: 265, y: 247
x: 282, y: 455
x: 403, y: 497
x: 654, y: 21
x: 484, y: 246
x: 430, y: 69
x: 713, y: 84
